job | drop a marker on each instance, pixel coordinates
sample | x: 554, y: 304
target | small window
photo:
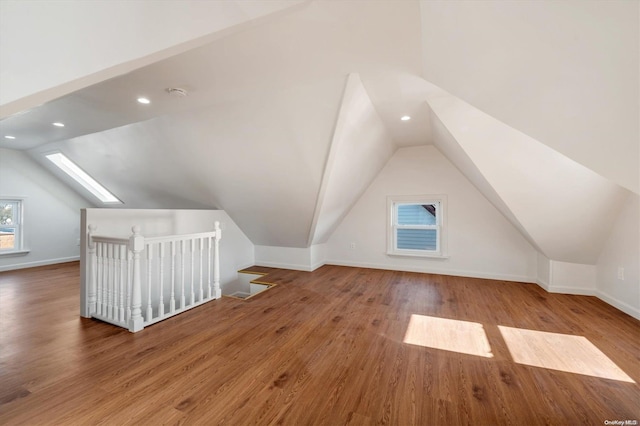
x: 10, y: 225
x: 416, y: 226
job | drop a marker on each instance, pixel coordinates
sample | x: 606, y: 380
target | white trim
x: 542, y: 284
x: 246, y: 267
x: 571, y: 290
x: 317, y: 265
x: 618, y: 304
x: 441, y: 225
x: 452, y: 272
x: 19, y: 234
x: 39, y: 263
x: 295, y: 267
x: 11, y: 253
x: 417, y: 253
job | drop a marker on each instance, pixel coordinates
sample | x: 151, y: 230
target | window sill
x: 418, y: 254
x: 14, y: 253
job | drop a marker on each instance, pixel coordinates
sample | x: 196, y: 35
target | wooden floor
x: 322, y: 348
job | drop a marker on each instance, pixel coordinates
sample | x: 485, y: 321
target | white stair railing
x: 133, y: 283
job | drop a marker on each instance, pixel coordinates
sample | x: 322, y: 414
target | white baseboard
x: 292, y: 266
x: 38, y: 263
x: 246, y: 266
x: 618, y: 304
x: 542, y: 284
x: 466, y: 274
x: 571, y: 290
x: 317, y: 265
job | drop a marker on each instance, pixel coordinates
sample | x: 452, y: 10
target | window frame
x: 440, y: 201
x: 18, y: 241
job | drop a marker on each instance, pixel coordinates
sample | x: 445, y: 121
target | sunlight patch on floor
x: 562, y: 352
x: 449, y: 335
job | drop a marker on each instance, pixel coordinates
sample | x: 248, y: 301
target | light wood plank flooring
x: 332, y: 347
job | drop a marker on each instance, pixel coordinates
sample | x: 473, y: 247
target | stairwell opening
x: 247, y: 285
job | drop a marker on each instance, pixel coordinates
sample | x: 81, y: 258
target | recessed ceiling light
x: 58, y: 124
x: 144, y: 101
x: 405, y: 118
x: 9, y: 137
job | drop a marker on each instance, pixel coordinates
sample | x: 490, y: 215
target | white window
x: 416, y: 226
x: 11, y: 226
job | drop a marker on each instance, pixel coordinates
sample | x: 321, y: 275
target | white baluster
x: 129, y: 288
x: 149, y: 257
x: 105, y: 282
x: 91, y: 288
x: 123, y: 280
x: 172, y: 301
x: 161, y: 267
x: 105, y: 279
x: 192, y: 255
x: 208, y: 267
x: 109, y: 280
x: 99, y: 281
x: 116, y: 279
x: 182, y: 251
x: 136, y: 245
x: 201, y: 267
x: 216, y: 262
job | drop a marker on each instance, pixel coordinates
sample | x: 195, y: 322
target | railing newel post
x: 216, y: 261
x: 91, y: 296
x: 136, y: 245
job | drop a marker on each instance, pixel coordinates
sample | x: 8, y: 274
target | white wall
x: 51, y: 212
x: 622, y: 250
x: 572, y: 278
x: 544, y: 271
x: 562, y: 72
x: 236, y: 251
x: 300, y: 259
x: 481, y: 242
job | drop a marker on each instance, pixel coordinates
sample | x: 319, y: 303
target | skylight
x: 77, y: 174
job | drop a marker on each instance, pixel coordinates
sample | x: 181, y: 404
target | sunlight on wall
x: 449, y: 335
x: 563, y: 352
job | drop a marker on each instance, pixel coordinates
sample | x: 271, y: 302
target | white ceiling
x: 563, y: 72
x: 49, y: 49
x: 255, y: 134
x: 380, y: 41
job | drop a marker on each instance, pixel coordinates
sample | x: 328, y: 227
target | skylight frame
x: 74, y: 171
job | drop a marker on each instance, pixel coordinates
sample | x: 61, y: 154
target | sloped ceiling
x: 272, y: 114
x: 565, y: 73
x: 557, y: 202
x: 81, y: 43
x: 360, y: 147
x: 254, y: 135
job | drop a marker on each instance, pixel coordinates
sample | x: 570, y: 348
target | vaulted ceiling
x: 293, y: 109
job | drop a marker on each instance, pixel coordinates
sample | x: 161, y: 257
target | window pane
x: 417, y: 239
x: 6, y: 214
x: 416, y: 214
x: 7, y: 237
